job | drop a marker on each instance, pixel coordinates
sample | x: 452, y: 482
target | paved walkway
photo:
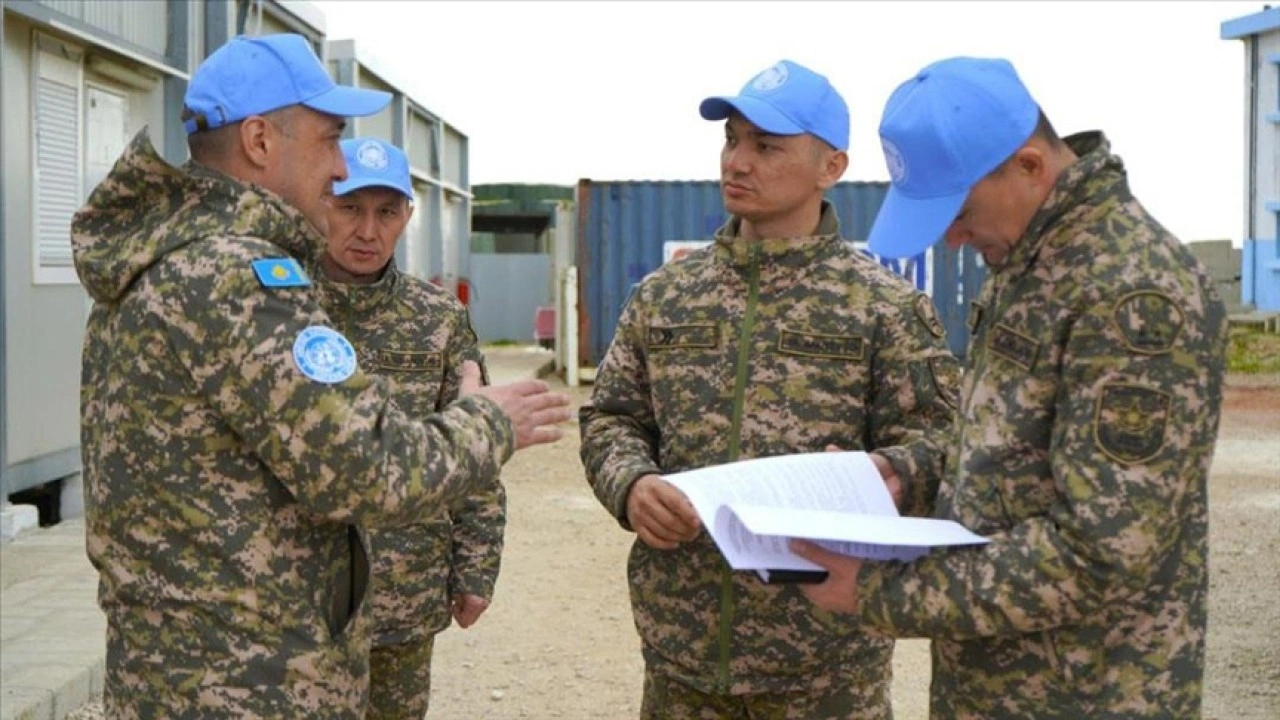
x: 52, y: 634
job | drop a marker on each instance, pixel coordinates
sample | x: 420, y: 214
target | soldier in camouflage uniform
x: 778, y: 338
x: 1083, y: 440
x: 231, y: 444
x: 416, y: 335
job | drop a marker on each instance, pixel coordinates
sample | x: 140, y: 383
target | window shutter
x: 57, y: 111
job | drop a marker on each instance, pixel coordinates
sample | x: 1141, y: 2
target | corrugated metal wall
x: 142, y: 22
x: 622, y: 227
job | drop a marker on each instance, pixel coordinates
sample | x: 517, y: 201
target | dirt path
x: 559, y: 642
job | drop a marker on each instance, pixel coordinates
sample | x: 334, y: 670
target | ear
x: 256, y: 140
x: 834, y: 164
x: 408, y: 213
x: 1030, y: 162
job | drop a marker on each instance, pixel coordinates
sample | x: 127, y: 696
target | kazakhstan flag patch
x: 280, y: 272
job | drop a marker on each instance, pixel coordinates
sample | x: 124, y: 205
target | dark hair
x: 1044, y: 130
x: 208, y: 145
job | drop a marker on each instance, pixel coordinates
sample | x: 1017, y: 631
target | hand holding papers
x: 836, y: 499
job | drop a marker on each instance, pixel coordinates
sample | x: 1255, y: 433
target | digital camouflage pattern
x: 417, y: 335
x: 223, y: 487
x: 826, y: 699
x: 401, y: 685
x: 754, y: 349
x: 1089, y: 415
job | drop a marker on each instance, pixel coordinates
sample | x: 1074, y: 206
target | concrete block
x: 16, y: 519
x: 71, y: 503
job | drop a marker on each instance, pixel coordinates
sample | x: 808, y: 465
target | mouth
x: 735, y: 189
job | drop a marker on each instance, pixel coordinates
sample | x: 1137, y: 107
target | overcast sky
x: 556, y: 91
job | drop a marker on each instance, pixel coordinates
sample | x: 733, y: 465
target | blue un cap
x: 255, y: 75
x: 374, y: 163
x: 942, y: 131
x: 787, y: 99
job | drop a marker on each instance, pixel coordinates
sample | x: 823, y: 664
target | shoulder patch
x: 1149, y: 321
x: 928, y: 315
x: 1129, y: 424
x: 683, y: 336
x: 324, y: 355
x: 280, y: 272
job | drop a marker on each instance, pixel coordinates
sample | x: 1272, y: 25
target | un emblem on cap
x: 770, y: 79
x: 372, y: 155
x: 893, y: 160
x: 324, y: 355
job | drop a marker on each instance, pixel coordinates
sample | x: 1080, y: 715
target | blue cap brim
x: 907, y: 226
x: 757, y: 112
x: 353, y: 184
x: 344, y: 101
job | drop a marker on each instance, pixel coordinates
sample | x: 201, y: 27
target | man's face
x: 305, y: 161
x: 996, y: 214
x: 364, y: 226
x: 764, y: 177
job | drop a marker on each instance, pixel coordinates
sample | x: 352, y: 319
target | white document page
x: 843, y: 481
x: 873, y: 537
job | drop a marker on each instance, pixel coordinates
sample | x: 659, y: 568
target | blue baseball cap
x: 942, y: 131
x: 255, y: 75
x: 374, y: 163
x: 787, y: 99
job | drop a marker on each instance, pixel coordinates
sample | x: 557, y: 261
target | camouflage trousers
x: 400, y: 680
x: 668, y: 699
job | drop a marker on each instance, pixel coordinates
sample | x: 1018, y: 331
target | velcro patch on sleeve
x: 822, y: 345
x: 683, y: 336
x: 410, y: 360
x: 946, y: 379
x: 1130, y: 421
x: 280, y: 272
x: 928, y: 315
x: 1149, y: 321
x: 1018, y: 347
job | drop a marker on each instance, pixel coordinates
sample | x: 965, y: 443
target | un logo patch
x: 324, y: 355
x: 894, y: 162
x: 372, y: 155
x: 770, y: 79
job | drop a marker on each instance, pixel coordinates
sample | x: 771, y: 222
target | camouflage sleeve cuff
x: 627, y: 479
x: 500, y: 428
x: 873, y: 603
x: 919, y: 468
x: 480, y: 584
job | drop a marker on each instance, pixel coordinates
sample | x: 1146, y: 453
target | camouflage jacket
x: 1083, y: 441
x: 753, y: 349
x: 417, y: 335
x: 223, y: 487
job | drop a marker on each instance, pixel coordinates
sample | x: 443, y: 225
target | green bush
x: 1250, y: 350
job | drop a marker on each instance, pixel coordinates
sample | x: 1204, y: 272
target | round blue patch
x: 323, y: 355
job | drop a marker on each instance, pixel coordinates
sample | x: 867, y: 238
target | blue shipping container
x: 623, y: 225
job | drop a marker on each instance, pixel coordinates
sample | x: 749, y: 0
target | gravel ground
x: 559, y: 643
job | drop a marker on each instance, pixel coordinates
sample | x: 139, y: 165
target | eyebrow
x: 752, y: 132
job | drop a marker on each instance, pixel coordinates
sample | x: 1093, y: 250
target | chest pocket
x: 416, y: 378
x: 820, y: 378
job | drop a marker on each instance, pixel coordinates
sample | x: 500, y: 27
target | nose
x: 367, y: 227
x: 339, y: 167
x: 957, y: 236
x: 735, y: 160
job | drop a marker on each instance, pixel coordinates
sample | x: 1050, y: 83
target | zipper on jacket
x: 735, y: 448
